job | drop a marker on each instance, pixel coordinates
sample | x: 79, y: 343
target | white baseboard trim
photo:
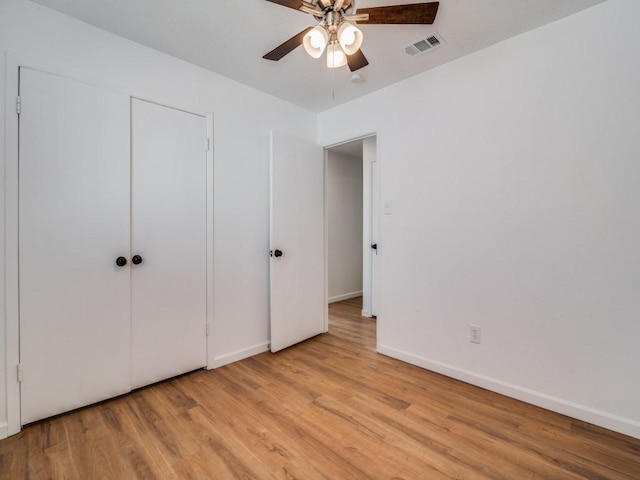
x: 346, y: 296
x: 366, y: 313
x: 228, y: 358
x: 600, y: 418
x: 4, y: 430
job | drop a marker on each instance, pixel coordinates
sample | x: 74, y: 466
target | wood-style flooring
x: 329, y: 408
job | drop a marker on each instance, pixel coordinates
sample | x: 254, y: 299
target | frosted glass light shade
x: 335, y: 56
x: 350, y: 38
x: 315, y: 41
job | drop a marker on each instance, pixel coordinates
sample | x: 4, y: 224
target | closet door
x: 169, y: 153
x: 74, y: 224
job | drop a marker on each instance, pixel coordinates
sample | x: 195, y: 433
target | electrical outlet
x: 474, y: 333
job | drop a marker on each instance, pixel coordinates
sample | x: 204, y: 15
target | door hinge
x: 19, y: 372
x: 18, y: 105
x: 208, y: 144
x: 207, y: 329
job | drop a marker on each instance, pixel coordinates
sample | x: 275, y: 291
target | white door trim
x: 9, y: 317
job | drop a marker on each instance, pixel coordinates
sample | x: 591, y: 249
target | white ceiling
x: 230, y: 37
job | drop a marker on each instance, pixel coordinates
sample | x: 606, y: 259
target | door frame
x: 368, y: 209
x: 9, y: 243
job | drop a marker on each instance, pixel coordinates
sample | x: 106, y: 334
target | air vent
x: 434, y: 40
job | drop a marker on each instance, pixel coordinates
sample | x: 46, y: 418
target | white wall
x: 344, y: 211
x: 514, y: 177
x: 242, y: 120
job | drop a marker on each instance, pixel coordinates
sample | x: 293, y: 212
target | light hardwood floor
x: 329, y: 408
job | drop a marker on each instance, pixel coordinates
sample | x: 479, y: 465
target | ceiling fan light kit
x: 336, y: 32
x: 343, y: 38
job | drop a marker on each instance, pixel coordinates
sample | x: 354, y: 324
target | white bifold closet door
x: 73, y: 225
x: 168, y: 195
x: 102, y: 177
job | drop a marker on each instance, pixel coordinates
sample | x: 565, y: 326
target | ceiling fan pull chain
x: 333, y: 84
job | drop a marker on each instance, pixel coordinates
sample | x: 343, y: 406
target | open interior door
x: 297, y: 240
x: 370, y: 145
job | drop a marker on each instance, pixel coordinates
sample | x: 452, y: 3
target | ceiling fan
x: 336, y: 32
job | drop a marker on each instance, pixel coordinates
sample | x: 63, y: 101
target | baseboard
x: 346, y: 296
x: 367, y: 313
x: 600, y: 418
x: 239, y: 355
x: 4, y: 430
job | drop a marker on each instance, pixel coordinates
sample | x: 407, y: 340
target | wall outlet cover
x: 475, y: 333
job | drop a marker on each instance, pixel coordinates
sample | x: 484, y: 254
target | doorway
x: 352, y: 199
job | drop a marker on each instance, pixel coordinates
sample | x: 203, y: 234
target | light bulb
x: 315, y: 41
x: 335, y: 56
x: 350, y: 38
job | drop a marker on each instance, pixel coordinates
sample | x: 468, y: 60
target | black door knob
x: 136, y: 259
x: 277, y: 253
x: 121, y: 261
x: 374, y: 246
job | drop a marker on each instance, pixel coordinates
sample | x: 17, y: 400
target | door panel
x: 169, y: 233
x: 371, y: 229
x: 297, y: 229
x: 74, y: 223
x: 375, y: 235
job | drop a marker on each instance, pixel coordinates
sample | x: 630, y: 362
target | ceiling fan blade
x: 286, y: 47
x: 415, y: 13
x: 337, y: 5
x: 313, y: 11
x: 357, y: 61
x: 358, y: 17
x: 295, y: 4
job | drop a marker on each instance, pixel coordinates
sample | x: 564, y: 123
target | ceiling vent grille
x: 433, y: 40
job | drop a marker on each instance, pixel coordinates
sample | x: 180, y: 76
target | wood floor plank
x: 328, y: 408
